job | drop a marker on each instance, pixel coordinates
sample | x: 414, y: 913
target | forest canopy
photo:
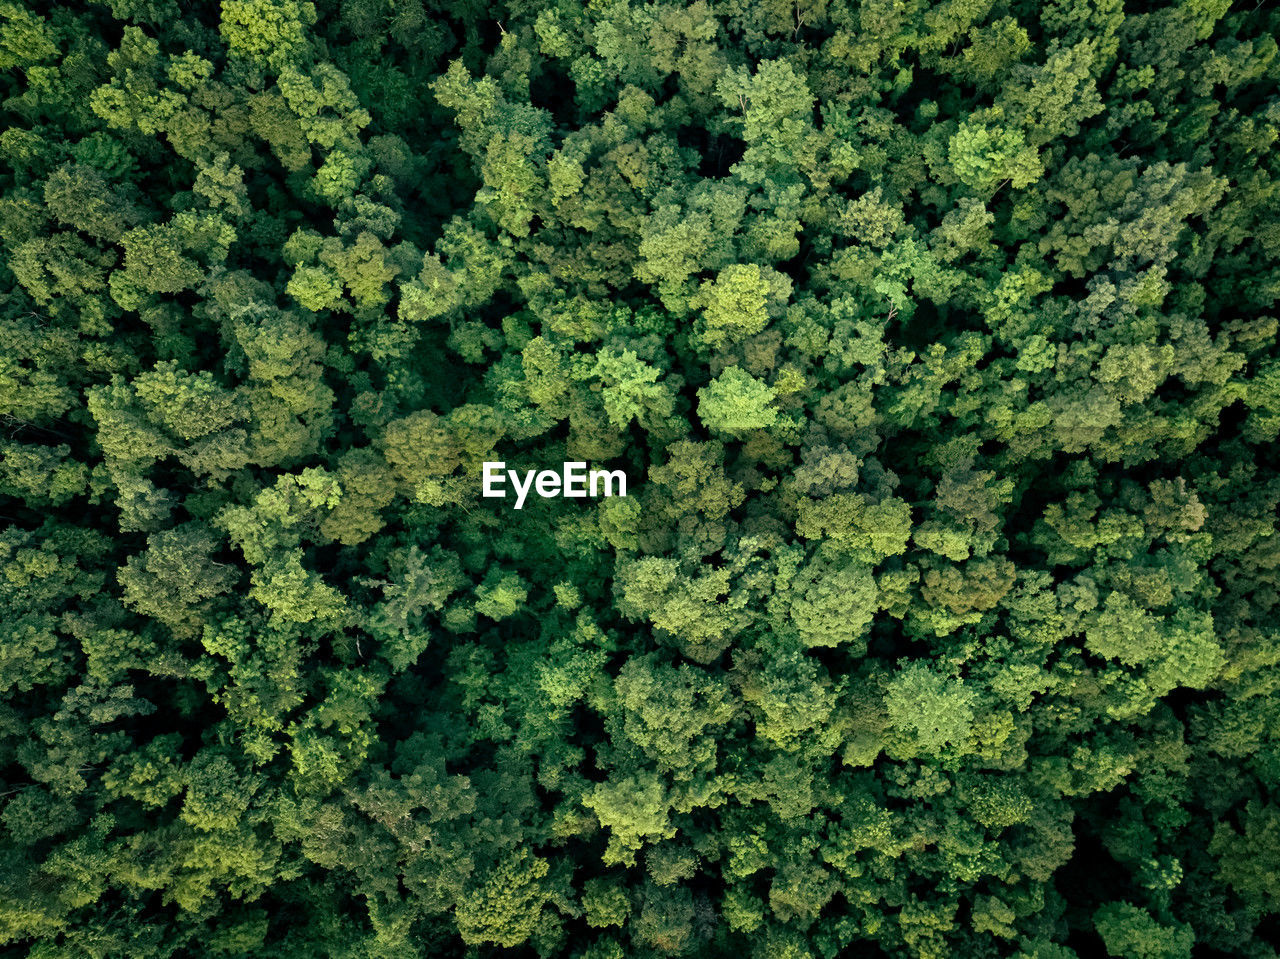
x: 937, y: 343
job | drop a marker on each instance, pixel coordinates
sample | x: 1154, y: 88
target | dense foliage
x: 938, y: 341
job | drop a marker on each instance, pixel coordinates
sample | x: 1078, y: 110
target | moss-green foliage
x: 938, y: 342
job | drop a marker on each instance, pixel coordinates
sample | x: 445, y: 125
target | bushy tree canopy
x: 937, y: 342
